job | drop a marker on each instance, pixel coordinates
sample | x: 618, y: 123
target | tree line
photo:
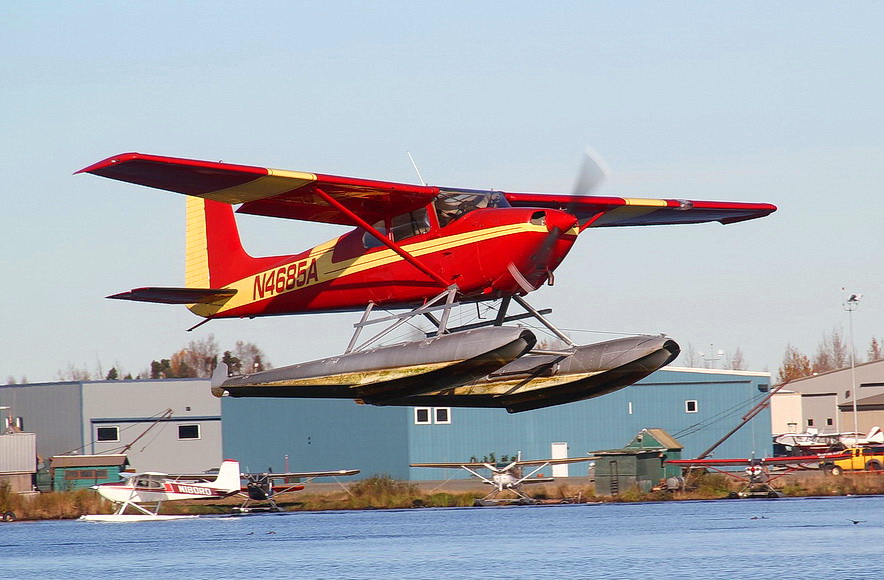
x: 197, y: 359
x: 832, y: 353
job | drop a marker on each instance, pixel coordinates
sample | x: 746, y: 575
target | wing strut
x: 382, y: 238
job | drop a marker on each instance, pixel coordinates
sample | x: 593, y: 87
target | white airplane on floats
x: 145, y: 492
x: 507, y: 476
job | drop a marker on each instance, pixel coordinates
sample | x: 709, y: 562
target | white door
x: 559, y: 451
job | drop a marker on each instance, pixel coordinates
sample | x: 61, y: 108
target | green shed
x: 71, y: 472
x: 640, y: 464
x: 659, y: 439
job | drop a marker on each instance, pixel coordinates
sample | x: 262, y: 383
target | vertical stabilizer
x: 228, y: 476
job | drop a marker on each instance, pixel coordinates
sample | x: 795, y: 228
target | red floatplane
x: 420, y: 248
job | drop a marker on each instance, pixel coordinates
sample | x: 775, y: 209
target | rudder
x: 213, y: 255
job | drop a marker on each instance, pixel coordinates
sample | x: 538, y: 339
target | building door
x: 559, y: 451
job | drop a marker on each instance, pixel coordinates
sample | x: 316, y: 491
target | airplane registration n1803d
x: 418, y: 248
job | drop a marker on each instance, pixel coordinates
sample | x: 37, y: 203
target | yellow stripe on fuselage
x: 327, y: 270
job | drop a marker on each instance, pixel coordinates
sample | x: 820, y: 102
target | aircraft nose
x: 558, y: 220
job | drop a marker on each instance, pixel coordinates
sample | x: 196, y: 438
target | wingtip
x: 104, y: 163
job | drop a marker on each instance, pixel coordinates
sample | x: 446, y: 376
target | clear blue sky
x: 751, y: 101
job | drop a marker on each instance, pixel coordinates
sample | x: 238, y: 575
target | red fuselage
x: 487, y: 253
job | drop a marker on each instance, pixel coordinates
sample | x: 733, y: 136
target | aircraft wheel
x: 836, y: 470
x: 873, y: 465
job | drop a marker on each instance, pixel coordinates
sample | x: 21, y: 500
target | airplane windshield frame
x: 451, y: 204
x: 402, y: 227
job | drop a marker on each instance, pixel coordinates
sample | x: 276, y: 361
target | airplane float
x: 507, y: 476
x: 145, y: 492
x: 419, y: 248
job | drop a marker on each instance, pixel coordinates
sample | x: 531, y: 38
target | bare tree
x: 74, y: 373
x: 251, y: 358
x: 876, y: 351
x: 832, y: 353
x: 690, y: 357
x: 736, y: 361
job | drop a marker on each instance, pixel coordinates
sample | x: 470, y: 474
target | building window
x: 810, y: 422
x: 690, y: 406
x: 188, y: 431
x: 107, y: 434
x: 90, y: 474
x: 629, y: 407
x: 428, y: 415
x: 422, y: 415
x: 830, y: 422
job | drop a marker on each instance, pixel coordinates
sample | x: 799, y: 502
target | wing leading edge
x: 293, y: 194
x: 267, y: 192
x: 597, y: 211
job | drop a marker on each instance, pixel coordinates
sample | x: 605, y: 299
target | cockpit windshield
x: 453, y: 203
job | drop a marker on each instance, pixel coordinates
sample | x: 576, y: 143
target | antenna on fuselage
x: 418, y: 171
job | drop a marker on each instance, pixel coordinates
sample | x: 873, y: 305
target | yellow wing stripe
x: 276, y: 182
x: 645, y: 202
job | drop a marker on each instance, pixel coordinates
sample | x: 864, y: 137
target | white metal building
x: 162, y: 425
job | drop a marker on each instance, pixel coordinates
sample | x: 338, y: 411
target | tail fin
x: 228, y: 476
x: 214, y: 255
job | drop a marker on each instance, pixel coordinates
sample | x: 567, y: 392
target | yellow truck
x: 855, y: 459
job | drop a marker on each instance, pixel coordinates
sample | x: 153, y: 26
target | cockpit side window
x: 402, y: 227
x: 450, y: 205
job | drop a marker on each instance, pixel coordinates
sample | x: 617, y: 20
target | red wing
x: 798, y: 460
x: 267, y: 192
x: 624, y: 211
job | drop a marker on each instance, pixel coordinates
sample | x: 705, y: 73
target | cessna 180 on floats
x: 418, y: 247
x: 145, y: 492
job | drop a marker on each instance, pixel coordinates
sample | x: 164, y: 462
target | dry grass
x: 384, y: 492
x: 53, y: 505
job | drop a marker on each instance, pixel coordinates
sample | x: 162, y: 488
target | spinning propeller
x: 592, y: 173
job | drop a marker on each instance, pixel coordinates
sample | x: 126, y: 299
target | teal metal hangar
x: 696, y: 406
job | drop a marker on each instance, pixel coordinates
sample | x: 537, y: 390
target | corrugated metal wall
x: 18, y: 453
x: 51, y: 409
x: 607, y: 422
x: 330, y: 434
x: 316, y: 435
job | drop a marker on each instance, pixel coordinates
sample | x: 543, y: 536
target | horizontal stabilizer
x: 176, y: 295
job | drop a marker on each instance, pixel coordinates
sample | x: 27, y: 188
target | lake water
x: 779, y: 539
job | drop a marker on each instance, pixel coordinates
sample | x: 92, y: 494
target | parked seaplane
x: 753, y: 473
x: 507, y: 476
x: 145, y: 492
x: 425, y: 249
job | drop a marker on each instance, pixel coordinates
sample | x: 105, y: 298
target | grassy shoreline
x: 382, y: 492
